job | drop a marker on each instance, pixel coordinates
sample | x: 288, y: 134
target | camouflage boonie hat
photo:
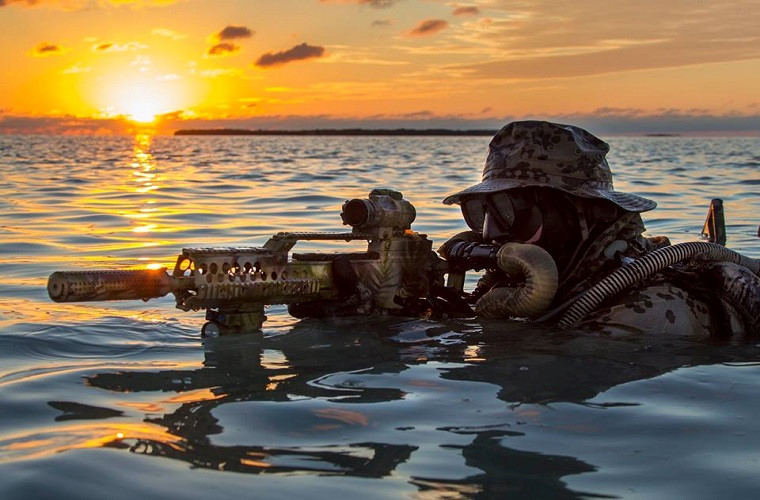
x: 544, y: 154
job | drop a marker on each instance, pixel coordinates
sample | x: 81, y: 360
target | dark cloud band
x: 234, y: 33
x: 378, y: 4
x: 428, y: 27
x: 222, y: 49
x: 466, y: 11
x: 297, y: 53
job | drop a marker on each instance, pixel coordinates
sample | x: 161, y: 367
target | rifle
x: 234, y: 284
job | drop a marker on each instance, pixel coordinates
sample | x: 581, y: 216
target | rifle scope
x: 383, y: 208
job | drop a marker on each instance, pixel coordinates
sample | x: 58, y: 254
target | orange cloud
x: 222, y: 49
x: 590, y: 39
x: 45, y: 49
x: 78, y: 4
x: 427, y: 27
x: 655, y: 54
x: 70, y: 125
x: 297, y: 53
x: 3, y: 3
x: 167, y: 33
x: 466, y: 11
x: 118, y: 47
x: 378, y: 4
x: 222, y: 40
x: 234, y: 33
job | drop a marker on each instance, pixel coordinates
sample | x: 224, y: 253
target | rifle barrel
x: 85, y: 286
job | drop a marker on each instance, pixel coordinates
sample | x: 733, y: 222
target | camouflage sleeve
x: 662, y: 309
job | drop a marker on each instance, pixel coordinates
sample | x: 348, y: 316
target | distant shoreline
x: 346, y: 131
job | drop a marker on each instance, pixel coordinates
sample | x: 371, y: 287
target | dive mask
x: 513, y: 215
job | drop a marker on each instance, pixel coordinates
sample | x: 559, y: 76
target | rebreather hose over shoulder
x: 647, y: 266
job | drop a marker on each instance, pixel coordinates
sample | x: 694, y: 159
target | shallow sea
x: 126, y: 400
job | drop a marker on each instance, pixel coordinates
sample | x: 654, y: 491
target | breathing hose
x: 647, y: 266
x: 539, y: 272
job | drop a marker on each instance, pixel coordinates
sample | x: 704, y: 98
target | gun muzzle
x: 85, y: 286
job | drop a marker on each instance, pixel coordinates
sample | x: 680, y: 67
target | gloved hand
x: 467, y: 236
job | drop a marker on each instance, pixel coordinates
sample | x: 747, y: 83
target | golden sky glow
x: 333, y: 63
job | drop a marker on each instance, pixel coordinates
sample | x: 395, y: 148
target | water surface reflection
x: 305, y: 402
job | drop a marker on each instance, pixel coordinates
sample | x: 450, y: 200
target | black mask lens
x: 500, y: 207
x: 474, y: 213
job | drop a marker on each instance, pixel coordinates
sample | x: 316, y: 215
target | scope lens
x: 356, y: 212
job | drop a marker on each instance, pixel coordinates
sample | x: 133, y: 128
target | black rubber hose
x: 647, y: 266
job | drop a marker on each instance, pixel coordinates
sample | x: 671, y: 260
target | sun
x: 143, y: 106
x: 140, y: 100
x: 142, y: 110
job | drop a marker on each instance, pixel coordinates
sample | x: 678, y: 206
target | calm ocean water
x: 122, y: 399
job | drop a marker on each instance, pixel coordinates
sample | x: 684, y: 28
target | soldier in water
x: 549, y: 186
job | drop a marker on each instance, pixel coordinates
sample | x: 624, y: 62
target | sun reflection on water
x: 144, y: 175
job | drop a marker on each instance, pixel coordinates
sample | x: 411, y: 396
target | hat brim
x: 626, y: 201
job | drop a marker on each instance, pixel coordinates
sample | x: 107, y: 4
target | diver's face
x: 513, y: 215
x: 541, y: 216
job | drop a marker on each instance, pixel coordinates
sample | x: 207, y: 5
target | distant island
x: 662, y: 135
x: 342, y: 131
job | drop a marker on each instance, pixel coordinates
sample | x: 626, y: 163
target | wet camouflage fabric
x: 695, y: 298
x: 564, y: 157
x: 661, y: 309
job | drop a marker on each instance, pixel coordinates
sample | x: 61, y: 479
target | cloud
x: 118, y: 47
x: 603, y: 121
x: 297, y: 53
x: 379, y: 23
x: 68, y: 125
x: 659, y: 54
x: 219, y: 72
x: 75, y: 69
x: 222, y: 40
x: 222, y: 49
x: 70, y: 5
x: 28, y: 3
x: 45, y: 49
x: 3, y: 3
x: 234, y: 33
x: 378, y: 4
x: 141, y: 62
x: 466, y: 11
x: 167, y: 33
x: 140, y: 3
x: 427, y: 27
x: 534, y: 41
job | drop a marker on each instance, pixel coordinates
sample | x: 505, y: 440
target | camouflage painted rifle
x: 234, y: 284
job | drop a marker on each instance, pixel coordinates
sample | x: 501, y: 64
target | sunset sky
x: 95, y: 66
